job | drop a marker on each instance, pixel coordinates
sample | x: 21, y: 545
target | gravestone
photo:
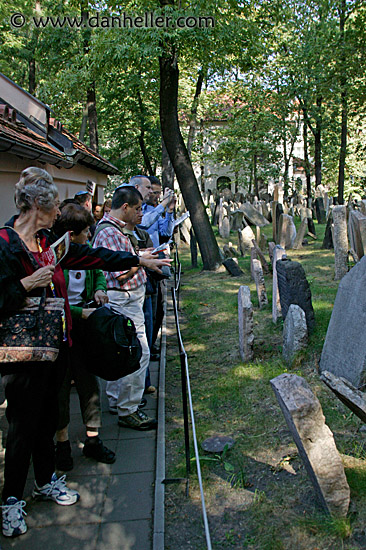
x: 315, y: 442
x: 236, y: 220
x: 271, y: 247
x: 221, y: 214
x: 350, y: 396
x: 320, y: 210
x: 193, y: 248
x: 224, y: 230
x: 294, y: 289
x: 295, y: 333
x: 286, y: 231
x: 259, y: 283
x: 245, y: 236
x: 261, y: 257
x: 253, y: 216
x: 340, y: 241
x: 227, y: 251
x: 274, y: 220
x: 357, y: 232
x: 253, y: 256
x: 185, y: 228
x: 344, y: 350
x: 300, y: 234
x: 278, y: 253
x: 231, y: 265
x: 246, y: 335
x: 279, y: 212
x: 328, y: 235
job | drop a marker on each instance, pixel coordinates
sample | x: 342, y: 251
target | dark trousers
x: 86, y: 383
x: 32, y: 414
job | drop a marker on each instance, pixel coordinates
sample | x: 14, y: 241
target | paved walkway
x: 115, y: 511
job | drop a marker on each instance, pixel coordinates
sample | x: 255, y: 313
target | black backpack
x: 113, y: 348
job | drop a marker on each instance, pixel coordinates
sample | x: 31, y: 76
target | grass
x: 264, y: 499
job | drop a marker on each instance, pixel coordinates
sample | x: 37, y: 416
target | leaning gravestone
x: 301, y: 234
x: 259, y: 283
x: 340, y: 241
x: 286, y: 231
x: 231, y: 265
x: 353, y: 398
x: 246, y: 335
x: 328, y: 237
x: 253, y: 215
x: 294, y: 289
x: 315, y: 442
x: 344, y: 350
x: 278, y: 253
x: 295, y: 333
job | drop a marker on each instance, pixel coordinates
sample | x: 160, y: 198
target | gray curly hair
x: 35, y: 186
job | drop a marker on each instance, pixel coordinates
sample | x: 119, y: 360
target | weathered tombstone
x: 286, y: 231
x: 263, y: 242
x: 315, y: 442
x: 357, y: 232
x: 261, y: 257
x: 231, y: 265
x: 224, y: 230
x: 340, y: 241
x: 295, y: 333
x: 184, y: 230
x: 253, y: 216
x: 301, y: 234
x: 236, y: 220
x: 320, y: 210
x: 246, y: 335
x: 233, y: 250
x: 311, y: 227
x: 227, y: 252
x: 259, y: 283
x: 221, y: 214
x: 344, y: 350
x: 294, y: 289
x: 271, y: 247
x: 253, y: 256
x: 363, y: 207
x: 245, y: 236
x: 274, y: 220
x: 350, y: 396
x: 278, y: 253
x: 279, y: 211
x: 328, y: 236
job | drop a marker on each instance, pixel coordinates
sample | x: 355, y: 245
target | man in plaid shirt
x: 126, y: 293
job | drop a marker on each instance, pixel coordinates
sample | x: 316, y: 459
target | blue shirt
x: 155, y: 224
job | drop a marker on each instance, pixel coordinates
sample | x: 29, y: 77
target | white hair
x: 35, y: 186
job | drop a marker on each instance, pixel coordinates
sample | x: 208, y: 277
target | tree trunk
x: 306, y: 155
x: 180, y: 158
x: 193, y: 117
x: 168, y: 170
x: 84, y: 122
x: 142, y: 135
x: 92, y: 116
x: 32, y: 76
x: 344, y: 104
x: 255, y: 174
x: 318, y: 143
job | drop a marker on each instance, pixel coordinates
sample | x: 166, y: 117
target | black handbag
x: 113, y: 349
x: 32, y: 333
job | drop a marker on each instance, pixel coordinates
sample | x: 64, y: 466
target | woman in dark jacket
x: 31, y: 388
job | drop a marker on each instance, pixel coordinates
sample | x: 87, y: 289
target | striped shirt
x: 112, y: 238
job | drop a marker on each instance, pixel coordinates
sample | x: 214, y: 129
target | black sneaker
x: 63, y: 458
x: 94, y: 448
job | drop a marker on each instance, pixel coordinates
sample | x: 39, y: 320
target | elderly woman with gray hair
x: 31, y: 389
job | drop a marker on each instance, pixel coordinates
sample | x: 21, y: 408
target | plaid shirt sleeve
x: 112, y: 238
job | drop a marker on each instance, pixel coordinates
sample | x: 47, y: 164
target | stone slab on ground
x: 217, y: 443
x: 350, y: 396
x: 315, y: 442
x: 344, y: 350
x: 295, y: 333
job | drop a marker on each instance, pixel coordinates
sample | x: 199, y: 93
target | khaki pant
x: 127, y: 392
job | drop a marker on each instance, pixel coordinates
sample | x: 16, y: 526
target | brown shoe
x: 137, y: 421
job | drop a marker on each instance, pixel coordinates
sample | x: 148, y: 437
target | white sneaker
x: 57, y: 491
x: 13, y: 520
